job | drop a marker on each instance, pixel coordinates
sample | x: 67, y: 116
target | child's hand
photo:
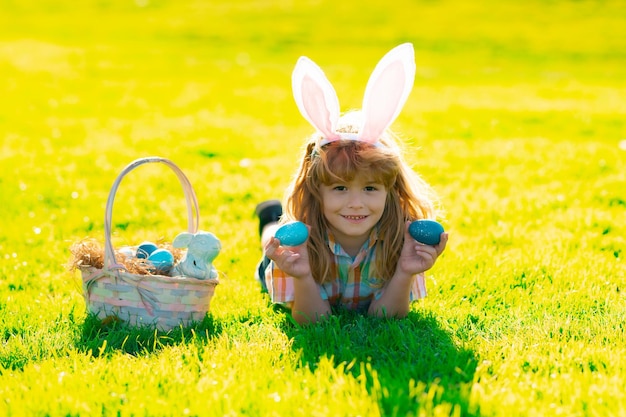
x: 416, y: 257
x: 292, y: 260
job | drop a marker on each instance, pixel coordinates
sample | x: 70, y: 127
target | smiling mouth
x: 354, y: 217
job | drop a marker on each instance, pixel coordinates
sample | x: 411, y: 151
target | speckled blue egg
x: 292, y: 234
x: 162, y: 260
x: 426, y: 231
x: 145, y: 249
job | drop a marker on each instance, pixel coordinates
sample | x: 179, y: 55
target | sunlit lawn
x: 517, y: 119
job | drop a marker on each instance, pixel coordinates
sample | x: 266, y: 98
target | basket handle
x: 193, y: 214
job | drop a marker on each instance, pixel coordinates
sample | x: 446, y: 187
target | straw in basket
x: 146, y: 300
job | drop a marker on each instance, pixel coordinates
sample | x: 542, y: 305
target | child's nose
x: 355, y: 200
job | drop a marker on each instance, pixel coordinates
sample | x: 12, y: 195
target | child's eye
x: 370, y: 188
x: 340, y: 188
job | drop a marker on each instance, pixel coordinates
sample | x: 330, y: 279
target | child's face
x: 353, y: 208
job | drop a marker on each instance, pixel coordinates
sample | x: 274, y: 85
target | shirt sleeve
x: 279, y: 285
x: 418, y: 287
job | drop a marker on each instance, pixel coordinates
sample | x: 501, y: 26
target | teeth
x: 354, y: 217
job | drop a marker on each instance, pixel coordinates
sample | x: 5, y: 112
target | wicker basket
x: 146, y: 300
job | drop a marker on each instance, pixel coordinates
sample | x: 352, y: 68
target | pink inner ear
x: 383, y: 101
x: 315, y: 105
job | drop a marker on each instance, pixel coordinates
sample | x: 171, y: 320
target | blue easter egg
x: 162, y: 260
x: 145, y: 249
x: 426, y: 231
x: 292, y: 234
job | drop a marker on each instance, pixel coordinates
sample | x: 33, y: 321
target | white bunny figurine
x: 203, y: 248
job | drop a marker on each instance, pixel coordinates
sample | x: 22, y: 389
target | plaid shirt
x: 353, y: 287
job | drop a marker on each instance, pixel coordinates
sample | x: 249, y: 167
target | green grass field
x: 517, y: 119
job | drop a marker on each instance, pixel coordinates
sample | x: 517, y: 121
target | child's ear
x: 315, y: 97
x: 387, y: 90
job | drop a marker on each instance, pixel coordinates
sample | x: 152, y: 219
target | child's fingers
x: 279, y: 254
x: 442, y: 243
x: 273, y: 250
x: 426, y: 251
x: 270, y: 247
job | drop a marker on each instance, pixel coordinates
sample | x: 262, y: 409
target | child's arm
x: 414, y: 259
x: 308, y: 305
x: 395, y: 300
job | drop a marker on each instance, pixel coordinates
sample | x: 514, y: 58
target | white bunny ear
x: 315, y: 97
x: 387, y: 90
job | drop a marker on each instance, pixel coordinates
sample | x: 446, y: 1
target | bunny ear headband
x: 387, y: 90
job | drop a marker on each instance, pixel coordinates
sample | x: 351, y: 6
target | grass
x: 516, y: 119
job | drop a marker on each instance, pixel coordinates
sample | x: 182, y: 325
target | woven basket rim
x: 147, y: 277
